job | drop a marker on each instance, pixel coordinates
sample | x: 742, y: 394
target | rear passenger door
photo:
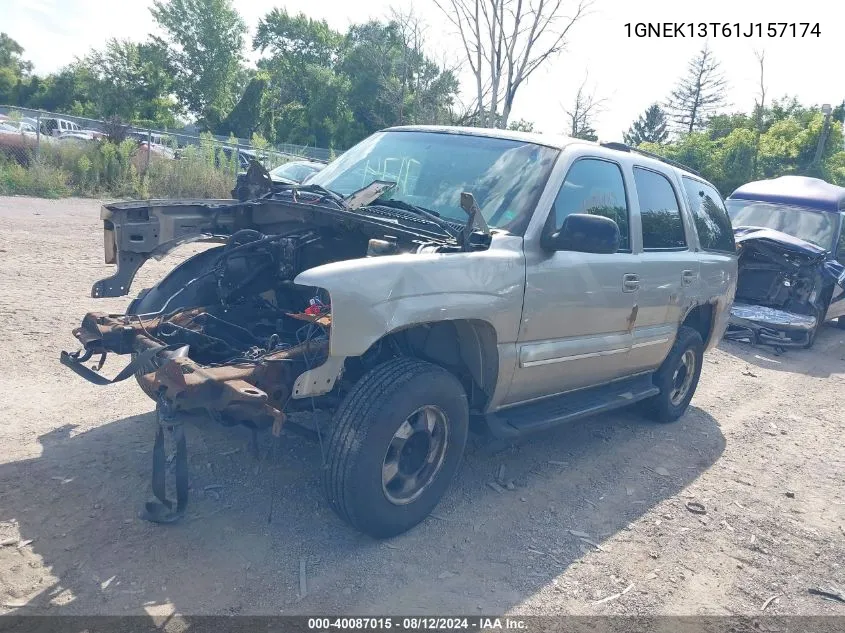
x: 717, y: 249
x: 669, y: 269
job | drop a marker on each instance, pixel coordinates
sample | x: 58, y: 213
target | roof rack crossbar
x: 622, y: 147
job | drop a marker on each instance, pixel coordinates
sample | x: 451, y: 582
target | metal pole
x: 37, y: 134
x: 149, y: 148
x: 822, y: 139
x: 843, y: 125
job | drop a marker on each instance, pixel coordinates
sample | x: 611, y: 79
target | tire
x: 840, y: 323
x: 669, y: 404
x: 365, y: 446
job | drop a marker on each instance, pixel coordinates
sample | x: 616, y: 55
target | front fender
x: 135, y: 231
x: 374, y: 296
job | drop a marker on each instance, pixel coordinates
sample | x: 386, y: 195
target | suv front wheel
x: 396, y: 444
x: 677, y: 377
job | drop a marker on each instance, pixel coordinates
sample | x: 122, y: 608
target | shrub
x: 42, y: 180
x: 120, y: 170
x: 189, y: 177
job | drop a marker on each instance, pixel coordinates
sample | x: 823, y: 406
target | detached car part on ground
x: 427, y: 278
x: 790, y: 240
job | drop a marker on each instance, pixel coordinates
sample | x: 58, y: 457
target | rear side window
x: 711, y: 218
x: 661, y: 215
x: 595, y: 187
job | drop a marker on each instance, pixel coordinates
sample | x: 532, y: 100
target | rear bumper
x: 770, y: 326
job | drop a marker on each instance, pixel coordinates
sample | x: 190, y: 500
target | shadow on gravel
x: 483, y: 550
x: 820, y: 361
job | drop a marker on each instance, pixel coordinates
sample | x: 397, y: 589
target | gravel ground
x: 598, y: 521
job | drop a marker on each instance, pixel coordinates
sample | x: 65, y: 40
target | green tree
x: 521, y: 125
x: 249, y: 114
x: 734, y: 156
x: 391, y: 80
x: 13, y: 69
x: 324, y: 87
x: 205, y: 41
x: 650, y: 127
x: 133, y: 82
x: 297, y: 39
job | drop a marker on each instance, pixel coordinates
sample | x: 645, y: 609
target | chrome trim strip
x: 646, y: 344
x: 563, y: 359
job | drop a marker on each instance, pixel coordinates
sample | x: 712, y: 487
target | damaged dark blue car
x: 791, y: 246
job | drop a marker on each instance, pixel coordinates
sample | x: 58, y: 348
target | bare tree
x: 759, y: 111
x: 583, y: 112
x: 505, y: 41
x: 699, y: 94
x: 412, y: 30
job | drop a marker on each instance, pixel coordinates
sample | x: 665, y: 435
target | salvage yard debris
x: 837, y: 596
x: 614, y: 596
x: 695, y: 507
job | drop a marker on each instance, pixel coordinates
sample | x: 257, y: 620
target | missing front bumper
x: 254, y: 393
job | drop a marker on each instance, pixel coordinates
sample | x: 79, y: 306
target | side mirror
x: 585, y: 233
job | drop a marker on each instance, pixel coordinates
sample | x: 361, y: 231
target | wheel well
x: 700, y: 318
x: 465, y: 347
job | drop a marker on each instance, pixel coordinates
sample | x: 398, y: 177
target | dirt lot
x: 597, y: 508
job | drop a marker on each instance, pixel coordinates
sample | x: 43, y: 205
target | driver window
x: 596, y: 187
x: 840, y: 248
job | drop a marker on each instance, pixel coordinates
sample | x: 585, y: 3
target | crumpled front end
x: 783, y: 288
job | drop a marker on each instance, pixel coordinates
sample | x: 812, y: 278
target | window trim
x: 621, y: 169
x: 840, y: 236
x: 668, y: 249
x: 724, y: 206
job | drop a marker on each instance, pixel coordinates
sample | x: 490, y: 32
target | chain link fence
x: 51, y: 154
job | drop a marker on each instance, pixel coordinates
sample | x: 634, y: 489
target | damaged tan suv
x: 426, y: 277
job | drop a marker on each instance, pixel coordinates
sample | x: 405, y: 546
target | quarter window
x: 711, y: 218
x: 661, y: 216
x: 595, y: 187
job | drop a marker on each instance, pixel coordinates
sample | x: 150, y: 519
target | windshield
x: 294, y: 171
x: 432, y: 169
x: 816, y: 227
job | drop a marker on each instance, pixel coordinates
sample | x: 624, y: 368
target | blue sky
x: 630, y: 73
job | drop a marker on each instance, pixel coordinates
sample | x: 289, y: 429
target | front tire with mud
x: 677, y: 378
x: 396, y: 444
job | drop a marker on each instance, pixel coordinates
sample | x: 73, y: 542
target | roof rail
x: 622, y: 147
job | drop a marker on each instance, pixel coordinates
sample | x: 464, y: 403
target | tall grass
x: 120, y: 170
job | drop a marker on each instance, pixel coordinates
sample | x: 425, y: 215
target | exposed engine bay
x: 231, y: 332
x: 783, y: 289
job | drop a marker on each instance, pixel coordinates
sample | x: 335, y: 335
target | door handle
x: 630, y: 282
x: 688, y: 277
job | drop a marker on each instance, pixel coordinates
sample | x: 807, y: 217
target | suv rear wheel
x: 396, y: 444
x: 677, y: 378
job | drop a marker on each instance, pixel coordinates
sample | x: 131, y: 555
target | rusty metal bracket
x: 74, y: 361
x: 118, y: 284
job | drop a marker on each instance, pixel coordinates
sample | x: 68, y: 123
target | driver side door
x: 579, y: 308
